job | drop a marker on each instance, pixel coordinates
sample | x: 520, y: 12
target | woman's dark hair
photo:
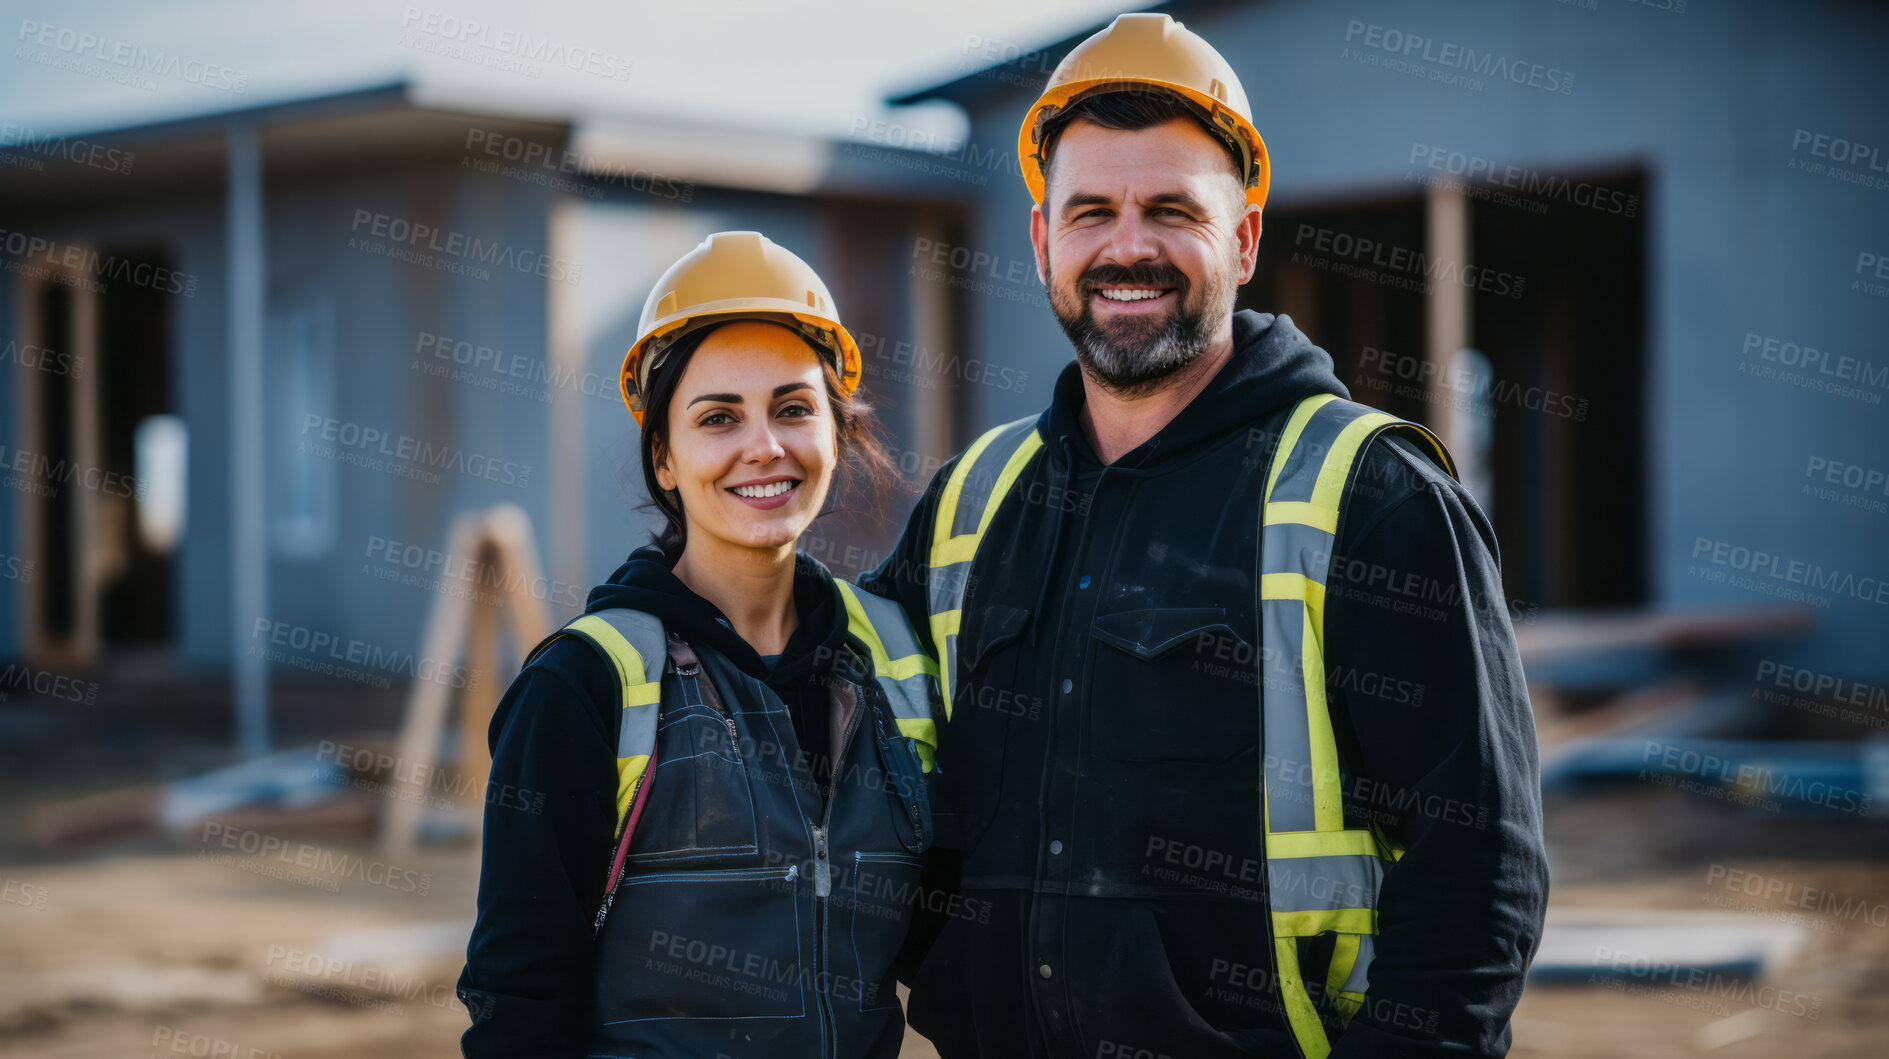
x: 858, y: 437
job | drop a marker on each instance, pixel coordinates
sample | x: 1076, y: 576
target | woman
x: 730, y: 747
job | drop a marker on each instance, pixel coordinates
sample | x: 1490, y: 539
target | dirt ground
x: 173, y: 951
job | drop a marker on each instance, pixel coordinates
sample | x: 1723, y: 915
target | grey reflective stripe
x: 645, y: 633
x: 1288, y: 743
x: 910, y: 695
x: 981, y: 480
x: 1293, y: 548
x: 1300, y: 474
x: 1317, y: 884
x: 946, y: 582
x: 1359, y: 979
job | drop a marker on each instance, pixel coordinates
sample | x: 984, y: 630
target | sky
x: 814, y: 66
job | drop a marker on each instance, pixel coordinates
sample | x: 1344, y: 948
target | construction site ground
x: 160, y: 945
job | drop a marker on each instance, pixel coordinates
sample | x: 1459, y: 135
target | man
x: 1169, y: 839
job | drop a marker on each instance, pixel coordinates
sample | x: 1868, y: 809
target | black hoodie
x: 529, y: 963
x: 1102, y: 756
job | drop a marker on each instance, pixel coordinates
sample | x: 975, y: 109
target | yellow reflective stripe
x: 1008, y: 478
x: 1328, y: 813
x: 925, y: 731
x: 1290, y: 585
x: 1347, y: 1004
x: 1301, y: 414
x: 1285, y: 845
x: 1344, y: 955
x: 912, y: 665
x: 637, y: 690
x: 963, y: 546
x: 1300, y: 1011
x: 629, y: 776
x: 1306, y: 923
x: 1301, y: 513
x: 947, y: 514
x: 1330, y: 485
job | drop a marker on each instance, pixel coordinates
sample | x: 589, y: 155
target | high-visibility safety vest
x: 637, y: 646
x: 1322, y: 877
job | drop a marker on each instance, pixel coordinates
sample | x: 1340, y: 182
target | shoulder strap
x: 636, y: 647
x: 976, y: 489
x: 1310, y: 854
x: 906, y: 674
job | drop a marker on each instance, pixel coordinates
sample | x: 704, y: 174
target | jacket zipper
x: 823, y: 881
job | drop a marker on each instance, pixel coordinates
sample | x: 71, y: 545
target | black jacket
x: 720, y: 913
x: 1102, y: 759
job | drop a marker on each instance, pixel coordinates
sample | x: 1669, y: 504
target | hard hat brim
x: 819, y: 331
x: 1222, y: 117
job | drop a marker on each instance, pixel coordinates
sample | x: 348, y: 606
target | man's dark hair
x: 1130, y: 110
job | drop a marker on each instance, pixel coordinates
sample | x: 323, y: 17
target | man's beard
x: 1130, y: 356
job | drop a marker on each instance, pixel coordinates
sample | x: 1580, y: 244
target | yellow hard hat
x: 1145, y: 49
x: 736, y: 276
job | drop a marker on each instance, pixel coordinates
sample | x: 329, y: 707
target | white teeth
x: 1130, y: 295
x: 760, y: 492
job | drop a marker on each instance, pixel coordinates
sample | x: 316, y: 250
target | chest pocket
x: 1173, y: 684
x: 701, y: 795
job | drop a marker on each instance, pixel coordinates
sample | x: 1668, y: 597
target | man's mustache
x: 1137, y: 275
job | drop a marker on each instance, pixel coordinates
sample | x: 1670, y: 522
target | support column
x: 249, y: 575
x: 1449, y: 309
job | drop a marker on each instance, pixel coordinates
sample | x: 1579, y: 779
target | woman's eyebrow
x: 734, y: 398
